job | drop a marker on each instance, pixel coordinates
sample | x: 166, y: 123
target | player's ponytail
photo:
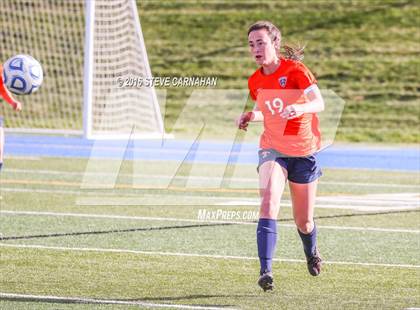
x: 290, y: 52
x: 293, y: 52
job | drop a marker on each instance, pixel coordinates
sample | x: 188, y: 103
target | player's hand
x: 243, y: 121
x: 17, y: 106
x: 292, y: 111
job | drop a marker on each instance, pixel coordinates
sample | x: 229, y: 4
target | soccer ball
x: 22, y: 74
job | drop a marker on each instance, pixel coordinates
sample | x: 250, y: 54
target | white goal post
x: 87, y: 49
x: 109, y: 109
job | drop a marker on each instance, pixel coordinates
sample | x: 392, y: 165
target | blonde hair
x: 290, y: 51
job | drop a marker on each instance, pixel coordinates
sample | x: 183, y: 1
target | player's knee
x: 269, y: 209
x: 305, y: 226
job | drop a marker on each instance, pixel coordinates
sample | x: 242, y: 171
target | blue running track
x: 337, y: 156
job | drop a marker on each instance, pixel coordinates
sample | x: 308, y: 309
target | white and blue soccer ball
x: 22, y: 74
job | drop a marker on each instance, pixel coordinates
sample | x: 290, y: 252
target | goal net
x: 86, y: 48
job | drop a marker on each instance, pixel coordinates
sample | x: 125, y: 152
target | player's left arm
x: 306, y: 82
x: 315, y: 104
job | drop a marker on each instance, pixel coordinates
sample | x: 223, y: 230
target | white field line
x: 48, y: 298
x: 348, y: 203
x: 408, y: 200
x: 286, y: 260
x: 370, y: 202
x: 57, y: 191
x: 374, y: 199
x: 126, y: 201
x: 369, y: 184
x: 43, y: 191
x: 171, y: 219
x: 344, y: 203
x: 365, y: 208
x: 204, y: 178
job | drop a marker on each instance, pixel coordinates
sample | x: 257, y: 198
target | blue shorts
x: 1, y: 121
x: 301, y: 170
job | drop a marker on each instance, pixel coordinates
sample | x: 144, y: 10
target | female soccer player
x: 287, y: 99
x: 5, y: 94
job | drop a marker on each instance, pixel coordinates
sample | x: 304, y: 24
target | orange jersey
x: 273, y: 92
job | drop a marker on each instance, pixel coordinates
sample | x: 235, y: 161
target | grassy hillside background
x: 366, y: 51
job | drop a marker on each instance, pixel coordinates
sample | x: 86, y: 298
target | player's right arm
x: 6, y: 95
x: 253, y: 116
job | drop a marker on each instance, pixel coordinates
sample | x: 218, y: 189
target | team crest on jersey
x: 283, y: 81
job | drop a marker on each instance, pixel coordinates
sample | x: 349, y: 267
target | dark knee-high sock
x: 266, y: 241
x: 1, y: 165
x: 309, y: 241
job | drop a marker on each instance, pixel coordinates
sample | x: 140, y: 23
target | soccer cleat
x: 314, y: 263
x: 266, y: 281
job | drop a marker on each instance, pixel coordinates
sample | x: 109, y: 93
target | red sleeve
x: 303, y: 77
x: 4, y: 93
x: 252, y: 93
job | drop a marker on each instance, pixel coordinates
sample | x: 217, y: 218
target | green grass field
x: 147, y: 247
x: 141, y: 242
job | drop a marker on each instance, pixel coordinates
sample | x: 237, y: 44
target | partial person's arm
x: 253, y: 116
x: 6, y: 95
